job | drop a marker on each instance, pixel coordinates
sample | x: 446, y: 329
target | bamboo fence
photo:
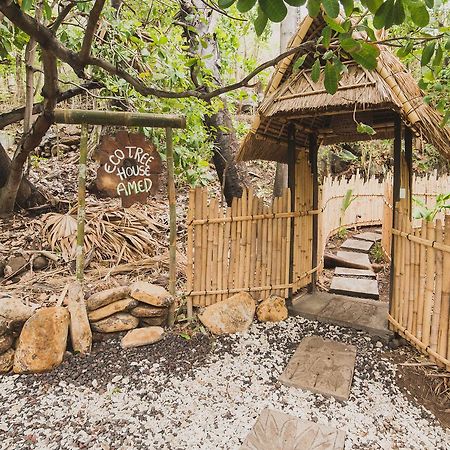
x: 420, y: 309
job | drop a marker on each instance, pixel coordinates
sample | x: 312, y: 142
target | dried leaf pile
x: 112, y: 235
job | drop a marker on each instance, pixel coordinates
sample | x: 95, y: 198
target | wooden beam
x: 129, y: 119
x: 408, y: 158
x: 313, y: 150
x: 395, y: 197
x: 292, y: 160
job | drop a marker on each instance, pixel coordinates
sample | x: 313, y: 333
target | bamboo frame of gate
x: 420, y: 309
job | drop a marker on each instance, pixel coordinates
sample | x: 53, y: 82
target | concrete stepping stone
x: 321, y: 366
x: 368, y: 236
x: 361, y: 287
x: 347, y: 272
x: 358, y: 313
x: 359, y: 258
x: 275, y: 430
x: 357, y: 244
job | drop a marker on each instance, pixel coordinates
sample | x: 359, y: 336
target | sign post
x: 76, y: 116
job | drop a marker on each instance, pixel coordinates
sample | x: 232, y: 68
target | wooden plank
x: 322, y: 366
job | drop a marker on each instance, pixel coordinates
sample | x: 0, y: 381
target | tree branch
x: 90, y: 29
x: 16, y: 115
x: 62, y: 16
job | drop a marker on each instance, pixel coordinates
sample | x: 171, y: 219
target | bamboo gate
x: 266, y: 249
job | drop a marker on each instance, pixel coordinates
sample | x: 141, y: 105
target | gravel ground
x: 205, y: 394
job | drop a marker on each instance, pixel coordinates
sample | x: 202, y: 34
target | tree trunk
x: 195, y: 13
x: 27, y: 195
x: 287, y: 29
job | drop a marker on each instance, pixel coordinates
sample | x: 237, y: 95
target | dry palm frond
x: 113, y: 234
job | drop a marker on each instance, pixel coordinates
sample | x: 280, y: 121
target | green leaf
x: 244, y: 6
x: 275, y: 9
x: 350, y: 45
x: 315, y: 71
x: 384, y: 16
x: 225, y: 3
x: 447, y: 44
x: 326, y: 35
x: 333, y: 24
x: 26, y: 5
x: 437, y: 61
x: 372, y: 5
x: 313, y: 7
x: 299, y: 62
x: 260, y: 22
x: 47, y: 11
x: 366, y: 129
x: 399, y: 12
x: 331, y: 7
x: 295, y: 2
x: 406, y: 50
x: 429, y: 3
x: 427, y: 53
x: 367, y: 56
x: 348, y: 5
x: 419, y: 13
x: 331, y: 78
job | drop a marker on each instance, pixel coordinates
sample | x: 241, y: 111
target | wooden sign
x: 129, y: 167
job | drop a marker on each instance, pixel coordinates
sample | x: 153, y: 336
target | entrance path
x: 360, y: 314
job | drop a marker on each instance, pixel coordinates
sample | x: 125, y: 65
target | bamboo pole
x: 444, y: 330
x: 242, y: 227
x: 189, y: 253
x: 204, y: 247
x: 172, y: 224
x: 220, y: 252
x: 198, y: 243
x: 422, y: 268
x: 429, y: 286
x: 81, y: 203
x: 435, y: 318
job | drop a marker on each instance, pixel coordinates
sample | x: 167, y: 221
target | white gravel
x: 214, y: 405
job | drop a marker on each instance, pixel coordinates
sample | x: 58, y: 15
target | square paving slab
x: 275, y: 430
x: 322, y: 366
x: 369, y: 236
x: 346, y: 272
x: 359, y: 258
x: 357, y: 244
x: 355, y: 287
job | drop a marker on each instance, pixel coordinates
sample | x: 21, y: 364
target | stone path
x: 275, y: 430
x: 355, y: 282
x: 322, y: 366
x: 361, y: 314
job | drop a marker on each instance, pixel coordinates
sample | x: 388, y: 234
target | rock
x: 80, y: 330
x: 233, y: 315
x: 43, y: 341
x: 40, y: 262
x: 112, y: 308
x: 103, y: 298
x: 4, y: 325
x: 151, y: 294
x: 15, y: 264
x: 273, y: 309
x: 7, y: 361
x: 6, y: 342
x: 14, y: 311
x: 117, y: 322
x: 142, y: 336
x: 153, y: 321
x: 148, y: 311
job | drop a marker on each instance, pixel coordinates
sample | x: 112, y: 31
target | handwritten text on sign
x: 129, y: 167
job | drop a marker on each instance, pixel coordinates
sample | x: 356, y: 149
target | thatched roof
x: 372, y: 97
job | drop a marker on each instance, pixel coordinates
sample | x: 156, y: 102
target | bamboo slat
x: 436, y: 315
x: 189, y: 251
x: 444, y: 327
x: 429, y: 285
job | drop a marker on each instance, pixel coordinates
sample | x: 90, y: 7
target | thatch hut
x: 297, y: 115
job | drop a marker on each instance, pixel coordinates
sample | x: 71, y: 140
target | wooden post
x: 313, y: 149
x: 408, y: 158
x: 292, y: 160
x: 395, y: 197
x: 173, y: 223
x: 81, y: 203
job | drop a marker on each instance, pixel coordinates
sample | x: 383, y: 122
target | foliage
x: 344, y: 17
x: 422, y: 211
x: 377, y: 253
x: 346, y: 202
